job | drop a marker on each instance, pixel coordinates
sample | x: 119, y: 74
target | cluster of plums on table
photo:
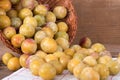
x: 86, y: 62
x: 42, y: 36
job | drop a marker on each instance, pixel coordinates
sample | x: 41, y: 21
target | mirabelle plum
x: 64, y: 60
x: 75, y: 47
x: 103, y: 71
x: 30, y: 59
x: 23, y: 60
x: 60, y: 12
x: 85, y: 42
x: 104, y: 59
x: 29, y: 46
x: 41, y: 10
x: 41, y: 54
x: 59, y: 54
x: 48, y: 45
x: 48, y: 31
x: 40, y: 20
x: 62, y: 34
x: 6, y: 57
x: 17, y: 40
x: 77, y: 69
x: 98, y: 47
x: 9, y: 32
x: 35, y: 65
x: 13, y: 64
x: 63, y: 43
x: 79, y: 56
x: 31, y: 21
x: 12, y: 13
x: 53, y: 26
x: 24, y: 13
x: 50, y: 17
x: 47, y: 71
x: 58, y: 66
x: 39, y: 35
x: 27, y: 30
x: 62, y: 26
x: 89, y: 60
x: 72, y: 63
x: 114, y: 67
x: 89, y: 73
x: 69, y: 52
x: 50, y: 57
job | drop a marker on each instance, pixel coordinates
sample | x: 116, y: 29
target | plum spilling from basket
x: 92, y: 63
x: 31, y: 26
x: 42, y: 36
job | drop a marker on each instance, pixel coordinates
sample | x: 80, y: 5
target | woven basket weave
x: 70, y: 20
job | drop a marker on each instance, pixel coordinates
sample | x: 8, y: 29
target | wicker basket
x: 70, y: 20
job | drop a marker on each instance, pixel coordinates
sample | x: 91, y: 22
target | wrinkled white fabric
x: 25, y: 74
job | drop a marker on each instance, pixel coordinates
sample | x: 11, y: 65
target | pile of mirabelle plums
x: 84, y: 61
x: 45, y: 44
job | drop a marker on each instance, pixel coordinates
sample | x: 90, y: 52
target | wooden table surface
x: 97, y: 19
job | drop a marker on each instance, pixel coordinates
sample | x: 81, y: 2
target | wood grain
x: 97, y: 19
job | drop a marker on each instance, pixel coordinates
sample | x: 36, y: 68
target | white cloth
x: 25, y: 74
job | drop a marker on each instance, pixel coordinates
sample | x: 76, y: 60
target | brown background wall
x: 99, y: 20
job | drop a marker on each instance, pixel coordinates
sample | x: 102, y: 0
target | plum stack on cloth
x: 25, y: 74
